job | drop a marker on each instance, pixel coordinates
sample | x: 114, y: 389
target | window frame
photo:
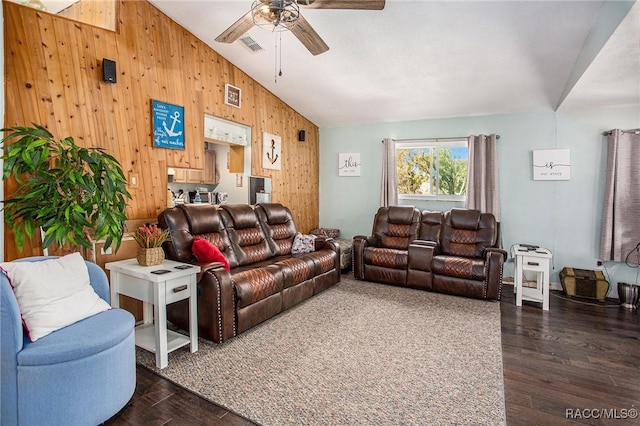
x: 433, y: 144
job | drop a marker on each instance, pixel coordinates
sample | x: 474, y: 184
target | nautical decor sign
x: 552, y: 164
x: 271, y: 151
x: 168, y: 125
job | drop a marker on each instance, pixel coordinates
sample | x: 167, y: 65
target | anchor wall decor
x: 168, y: 125
x: 271, y: 151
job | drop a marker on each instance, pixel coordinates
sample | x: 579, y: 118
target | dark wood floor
x: 576, y: 356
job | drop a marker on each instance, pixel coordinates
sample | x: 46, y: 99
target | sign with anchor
x: 271, y: 151
x: 168, y: 125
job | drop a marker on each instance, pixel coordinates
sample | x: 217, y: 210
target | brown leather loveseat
x: 265, y: 277
x: 456, y: 252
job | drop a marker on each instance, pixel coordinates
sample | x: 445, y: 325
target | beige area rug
x: 357, y: 354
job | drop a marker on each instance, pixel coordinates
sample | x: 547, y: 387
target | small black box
x: 108, y: 70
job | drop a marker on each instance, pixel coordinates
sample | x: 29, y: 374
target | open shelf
x: 145, y: 338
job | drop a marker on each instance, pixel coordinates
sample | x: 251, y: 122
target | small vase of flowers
x: 150, y: 239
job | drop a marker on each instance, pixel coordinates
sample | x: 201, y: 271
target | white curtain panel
x: 389, y: 187
x: 620, y: 230
x: 483, y: 177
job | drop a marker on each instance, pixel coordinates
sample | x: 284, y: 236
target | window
x: 432, y: 169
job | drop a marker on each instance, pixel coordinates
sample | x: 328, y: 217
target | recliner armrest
x: 360, y: 242
x: 216, y: 297
x: 322, y: 242
x: 369, y: 241
x: 500, y: 251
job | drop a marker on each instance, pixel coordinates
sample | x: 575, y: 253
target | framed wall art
x: 552, y: 164
x: 271, y: 151
x: 168, y: 125
x: 349, y: 164
x: 232, y: 96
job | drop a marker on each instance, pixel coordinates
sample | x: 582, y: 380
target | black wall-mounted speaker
x: 301, y: 135
x: 108, y: 70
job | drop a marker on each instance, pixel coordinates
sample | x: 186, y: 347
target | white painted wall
x: 563, y: 216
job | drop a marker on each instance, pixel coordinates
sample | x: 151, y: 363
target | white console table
x: 536, y: 261
x: 139, y: 282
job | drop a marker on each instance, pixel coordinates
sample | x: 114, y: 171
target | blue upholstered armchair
x: 82, y: 374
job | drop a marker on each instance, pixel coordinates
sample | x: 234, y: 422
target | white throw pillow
x: 53, y: 293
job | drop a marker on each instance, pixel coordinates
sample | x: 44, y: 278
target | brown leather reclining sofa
x: 456, y: 252
x: 265, y: 277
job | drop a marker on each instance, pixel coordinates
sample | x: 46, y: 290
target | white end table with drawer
x: 537, y: 261
x: 137, y: 281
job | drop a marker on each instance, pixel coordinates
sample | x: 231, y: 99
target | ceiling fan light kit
x: 283, y: 15
x: 275, y: 15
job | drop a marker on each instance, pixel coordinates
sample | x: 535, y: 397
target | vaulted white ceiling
x: 433, y: 59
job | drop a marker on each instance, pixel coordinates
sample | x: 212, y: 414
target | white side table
x: 537, y: 261
x: 137, y: 281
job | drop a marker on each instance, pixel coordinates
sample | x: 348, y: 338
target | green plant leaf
x: 63, y: 188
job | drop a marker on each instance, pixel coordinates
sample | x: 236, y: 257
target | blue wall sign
x: 168, y: 125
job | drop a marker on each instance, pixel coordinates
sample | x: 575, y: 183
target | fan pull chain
x: 280, y: 73
x: 278, y: 59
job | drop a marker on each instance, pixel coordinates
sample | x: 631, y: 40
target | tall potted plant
x: 63, y: 189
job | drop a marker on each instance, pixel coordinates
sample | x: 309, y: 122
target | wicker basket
x: 150, y: 256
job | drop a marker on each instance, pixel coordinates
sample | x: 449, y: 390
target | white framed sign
x: 349, y: 164
x: 232, y: 95
x: 271, y: 151
x: 552, y: 164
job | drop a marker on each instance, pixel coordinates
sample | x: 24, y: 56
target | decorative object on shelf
x: 222, y: 130
x: 70, y: 190
x: 150, y: 239
x: 232, y: 96
x: 150, y: 256
x: 552, y: 164
x: 168, y: 125
x: 349, y: 164
x: 271, y: 151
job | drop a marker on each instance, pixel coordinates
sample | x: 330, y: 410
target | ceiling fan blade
x: 240, y: 27
x: 343, y: 4
x: 309, y: 37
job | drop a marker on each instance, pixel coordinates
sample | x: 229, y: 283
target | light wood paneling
x: 101, y: 13
x: 53, y: 77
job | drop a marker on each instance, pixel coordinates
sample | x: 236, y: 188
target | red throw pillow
x: 206, y: 252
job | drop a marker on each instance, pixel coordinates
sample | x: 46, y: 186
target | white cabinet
x: 218, y: 130
x: 236, y: 136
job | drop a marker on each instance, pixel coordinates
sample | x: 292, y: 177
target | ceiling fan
x: 282, y: 15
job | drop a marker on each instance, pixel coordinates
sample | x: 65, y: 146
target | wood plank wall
x: 103, y: 13
x: 53, y: 77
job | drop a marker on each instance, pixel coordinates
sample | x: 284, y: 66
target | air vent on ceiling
x: 251, y: 44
